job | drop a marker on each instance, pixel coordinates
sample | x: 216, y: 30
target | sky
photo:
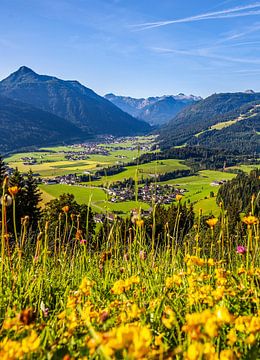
x: 138, y: 48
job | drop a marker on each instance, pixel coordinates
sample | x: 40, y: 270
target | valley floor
x: 60, y: 161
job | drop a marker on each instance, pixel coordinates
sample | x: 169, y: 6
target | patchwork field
x: 51, y: 162
x: 199, y: 188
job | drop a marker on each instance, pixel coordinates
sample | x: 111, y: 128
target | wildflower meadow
x: 129, y: 297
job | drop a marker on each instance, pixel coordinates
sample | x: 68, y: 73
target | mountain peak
x: 70, y: 100
x: 25, y: 70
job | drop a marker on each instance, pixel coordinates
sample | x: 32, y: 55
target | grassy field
x: 199, y: 188
x: 245, y: 168
x: 58, y: 168
x: 198, y: 192
x: 144, y: 171
x: 130, y: 290
x: 94, y: 196
x: 51, y: 161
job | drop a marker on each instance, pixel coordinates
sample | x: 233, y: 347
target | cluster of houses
x: 153, y: 193
x: 70, y: 179
x: 218, y: 183
x: 88, y: 150
x: 29, y: 160
x: 111, y: 217
x: 75, y: 156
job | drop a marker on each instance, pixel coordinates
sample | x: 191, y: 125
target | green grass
x: 199, y: 188
x: 144, y: 171
x: 57, y: 168
x: 52, y: 162
x: 82, y: 195
x: 245, y: 168
x: 94, y: 196
x: 127, y: 206
x: 122, y: 294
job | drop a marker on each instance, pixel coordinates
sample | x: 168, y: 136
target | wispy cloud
x: 206, y: 54
x: 240, y: 34
x: 247, y: 10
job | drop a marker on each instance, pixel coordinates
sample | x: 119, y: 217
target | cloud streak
x: 241, y: 34
x: 239, y: 11
x: 205, y: 54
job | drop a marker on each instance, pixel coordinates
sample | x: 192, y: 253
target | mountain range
x: 154, y: 110
x: 69, y: 101
x: 40, y: 110
x: 224, y: 121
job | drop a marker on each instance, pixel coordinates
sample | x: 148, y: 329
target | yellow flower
x: 211, y: 262
x: 232, y: 337
x: 223, y: 315
x: 65, y: 209
x: 250, y: 220
x: 174, y: 280
x: 13, y: 190
x: 211, y: 328
x: 227, y: 355
x: 121, y: 286
x: 86, y: 286
x: 250, y: 339
x: 168, y: 317
x: 193, y: 260
x: 178, y: 197
x: 139, y: 222
x: 212, y: 222
x: 195, y: 351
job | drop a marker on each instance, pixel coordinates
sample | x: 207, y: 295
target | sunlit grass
x: 129, y: 295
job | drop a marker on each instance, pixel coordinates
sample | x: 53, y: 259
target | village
x: 152, y: 193
x: 89, y: 149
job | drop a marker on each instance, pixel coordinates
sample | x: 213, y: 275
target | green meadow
x: 51, y: 162
x: 197, y: 188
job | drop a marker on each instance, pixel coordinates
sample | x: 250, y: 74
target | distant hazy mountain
x: 22, y: 125
x: 154, y: 110
x: 72, y: 101
x: 228, y: 121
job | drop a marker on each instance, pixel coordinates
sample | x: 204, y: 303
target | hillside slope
x: 72, y: 101
x: 22, y: 125
x: 212, y: 120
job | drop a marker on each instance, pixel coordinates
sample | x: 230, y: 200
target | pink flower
x: 241, y: 249
x: 83, y: 241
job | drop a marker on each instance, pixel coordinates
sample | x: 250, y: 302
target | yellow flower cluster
x: 202, y: 309
x: 121, y: 286
x: 174, y: 280
x: 204, y: 326
x: 207, y: 351
x: 86, y: 286
x: 132, y: 341
x: 20, y: 349
x: 195, y: 260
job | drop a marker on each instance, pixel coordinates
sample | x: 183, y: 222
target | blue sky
x: 137, y: 48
